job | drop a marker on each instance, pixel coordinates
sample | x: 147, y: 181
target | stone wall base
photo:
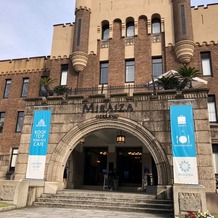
x: 188, y: 198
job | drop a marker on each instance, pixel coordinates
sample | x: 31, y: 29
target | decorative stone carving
x: 7, y: 192
x: 184, y: 51
x: 79, y: 60
x: 189, y: 201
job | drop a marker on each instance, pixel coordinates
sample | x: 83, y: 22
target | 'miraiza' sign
x: 107, y: 107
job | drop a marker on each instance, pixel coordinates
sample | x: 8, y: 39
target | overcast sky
x: 26, y: 26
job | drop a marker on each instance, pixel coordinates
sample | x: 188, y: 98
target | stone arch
x: 71, y: 139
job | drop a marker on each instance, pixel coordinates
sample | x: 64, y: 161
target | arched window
x: 156, y: 27
x: 105, y: 31
x: 130, y: 29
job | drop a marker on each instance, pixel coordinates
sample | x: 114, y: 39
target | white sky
x: 27, y: 25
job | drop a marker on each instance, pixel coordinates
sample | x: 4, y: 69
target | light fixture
x: 82, y: 141
x: 121, y: 138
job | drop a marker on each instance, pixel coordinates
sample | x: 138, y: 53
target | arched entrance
x: 67, y: 144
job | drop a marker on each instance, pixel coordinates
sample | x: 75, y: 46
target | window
x: 104, y: 73
x: 79, y: 32
x: 130, y: 71
x: 215, y: 157
x: 64, y: 70
x: 183, y: 19
x: 156, y: 26
x: 211, y: 104
x: 130, y: 29
x: 20, y: 117
x: 157, y: 67
x: 2, y: 119
x: 14, y: 154
x: 105, y: 32
x: 7, y: 88
x: 206, y: 64
x: 25, y: 87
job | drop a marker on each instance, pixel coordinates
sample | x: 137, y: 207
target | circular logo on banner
x: 183, y: 139
x: 185, y: 166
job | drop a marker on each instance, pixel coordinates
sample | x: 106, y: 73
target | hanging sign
x: 183, y: 144
x: 38, y: 144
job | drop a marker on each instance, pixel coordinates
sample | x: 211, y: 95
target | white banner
x: 185, y: 170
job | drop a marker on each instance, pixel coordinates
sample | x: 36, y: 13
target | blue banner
x: 38, y: 144
x: 183, y: 144
x: 40, y: 132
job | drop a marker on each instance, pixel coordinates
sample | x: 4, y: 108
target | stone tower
x: 184, y: 45
x: 81, y: 35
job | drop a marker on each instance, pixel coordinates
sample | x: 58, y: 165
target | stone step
x: 105, y: 200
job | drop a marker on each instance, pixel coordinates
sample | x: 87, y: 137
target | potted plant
x: 46, y: 86
x: 60, y: 89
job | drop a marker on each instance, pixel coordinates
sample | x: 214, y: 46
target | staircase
x: 106, y: 200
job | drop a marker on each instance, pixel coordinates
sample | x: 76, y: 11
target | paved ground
x: 42, y: 212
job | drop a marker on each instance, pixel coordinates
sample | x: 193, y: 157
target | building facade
x: 108, y: 61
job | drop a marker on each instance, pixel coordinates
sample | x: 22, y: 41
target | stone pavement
x: 42, y: 212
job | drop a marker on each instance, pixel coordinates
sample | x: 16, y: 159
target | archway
x: 71, y: 139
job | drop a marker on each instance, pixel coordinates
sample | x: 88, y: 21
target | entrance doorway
x: 95, y: 165
x: 129, y: 166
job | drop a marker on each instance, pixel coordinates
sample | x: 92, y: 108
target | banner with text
x: 183, y: 144
x: 38, y: 144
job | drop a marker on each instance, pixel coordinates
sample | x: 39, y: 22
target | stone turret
x: 184, y: 45
x: 81, y: 35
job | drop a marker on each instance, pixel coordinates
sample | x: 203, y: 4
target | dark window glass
x: 2, y: 120
x: 64, y: 71
x: 215, y: 157
x: 130, y: 71
x: 105, y: 32
x: 79, y: 32
x: 104, y: 73
x: 206, y: 64
x: 20, y: 117
x: 211, y: 104
x: 7, y: 88
x: 183, y: 19
x: 130, y: 29
x: 157, y: 68
x: 156, y: 26
x: 25, y: 87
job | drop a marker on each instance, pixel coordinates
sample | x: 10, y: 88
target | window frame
x: 19, y: 123
x: 103, y: 80
x: 64, y: 74
x: 209, y: 63
x: 213, y: 113
x: 130, y: 28
x: 13, y: 160
x: 2, y: 120
x: 154, y: 27
x: 25, y: 86
x: 154, y: 64
x: 7, y: 88
x: 128, y: 71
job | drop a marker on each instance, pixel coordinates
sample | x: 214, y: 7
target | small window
x: 105, y: 32
x: 211, y: 104
x: 104, y: 73
x: 157, y: 67
x: 25, y: 87
x: 130, y: 29
x: 130, y: 71
x: 215, y: 157
x: 206, y: 63
x: 156, y: 27
x: 14, y: 154
x: 183, y: 19
x: 7, y: 88
x: 64, y: 71
x: 2, y: 120
x: 19, y: 124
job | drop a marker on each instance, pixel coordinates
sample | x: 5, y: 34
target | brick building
x: 107, y: 60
